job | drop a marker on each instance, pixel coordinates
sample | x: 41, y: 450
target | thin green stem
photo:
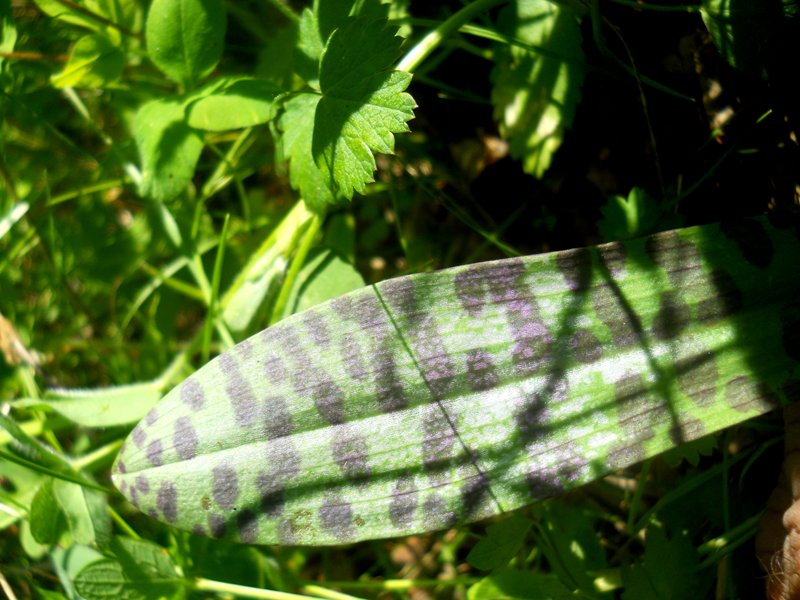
x: 241, y: 591
x: 434, y: 38
x: 215, y: 279
x: 299, y: 259
x: 123, y: 524
x: 686, y: 8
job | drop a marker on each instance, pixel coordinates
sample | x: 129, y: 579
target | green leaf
x: 16, y: 496
x: 107, y: 407
x: 251, y: 294
x: 568, y: 538
x: 637, y: 215
x: 537, y: 89
x: 297, y: 123
x: 46, y: 515
x: 362, y: 105
x: 93, y: 63
x: 68, y: 562
x: 501, y: 544
x: 185, y: 38
x: 745, y: 33
x: 120, y: 12
x: 239, y: 102
x: 669, y: 570
x: 329, y: 138
x: 317, y: 25
x: 168, y: 147
x: 8, y: 33
x: 141, y: 570
x: 325, y: 275
x: 512, y: 584
x: 86, y: 512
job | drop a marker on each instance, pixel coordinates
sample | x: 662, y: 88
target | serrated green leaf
x: 86, y: 512
x: 239, y: 102
x: 185, y: 38
x: 536, y: 92
x: 297, y: 123
x: 168, y: 147
x: 638, y: 214
x: 107, y: 407
x: 46, y: 515
x: 141, y: 571
x: 744, y: 32
x: 362, y: 105
x: 513, y: 584
x: 93, y: 63
x: 669, y: 570
x: 317, y: 25
x: 501, y: 544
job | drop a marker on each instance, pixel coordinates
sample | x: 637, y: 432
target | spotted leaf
x: 441, y: 398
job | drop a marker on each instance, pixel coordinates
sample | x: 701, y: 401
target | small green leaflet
x: 185, y: 38
x: 168, y: 147
x: 93, y: 62
x: 537, y: 86
x: 329, y: 137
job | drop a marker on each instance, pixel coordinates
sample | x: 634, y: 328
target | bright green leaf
x: 45, y: 516
x: 536, y: 90
x: 93, y: 63
x: 106, y: 407
x: 185, y: 38
x: 362, y: 104
x: 168, y: 147
x: 16, y: 496
x: 502, y: 542
x: 297, y: 123
x: 239, y: 102
x: 512, y: 584
x: 71, y: 561
x: 86, y: 512
x: 324, y: 276
x: 141, y: 571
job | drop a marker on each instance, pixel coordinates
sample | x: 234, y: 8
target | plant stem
x: 434, y: 38
x: 306, y: 243
x: 242, y: 591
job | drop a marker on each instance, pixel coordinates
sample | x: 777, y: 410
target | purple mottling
x: 404, y: 503
x: 154, y: 453
x: 184, y: 438
x: 336, y: 516
x: 277, y: 419
x: 471, y: 289
x: 142, y: 484
x: 481, y: 372
x: 138, y: 435
x: 192, y: 394
x: 216, y: 525
x: 241, y: 396
x: 275, y: 369
x: 151, y: 416
x: 435, y: 514
x: 317, y: 328
x: 247, y: 523
x: 349, y: 449
x: 226, y: 486
x: 167, y: 500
